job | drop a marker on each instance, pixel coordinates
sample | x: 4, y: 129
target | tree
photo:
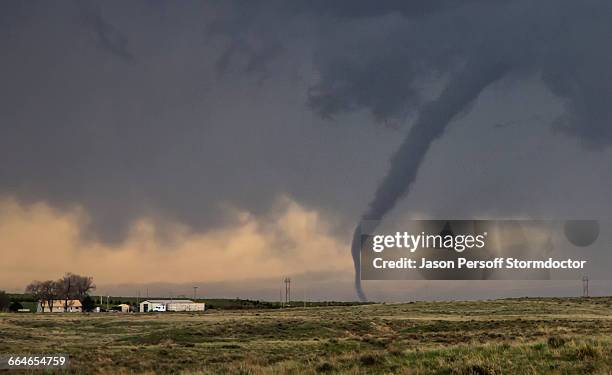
x: 83, y: 285
x: 66, y: 289
x: 73, y: 286
x: 5, y: 301
x: 15, y: 306
x: 44, y: 292
x: 35, y: 290
x: 88, y: 303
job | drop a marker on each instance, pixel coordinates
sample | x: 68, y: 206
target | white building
x: 73, y: 305
x: 161, y: 305
x: 124, y: 308
x: 186, y: 305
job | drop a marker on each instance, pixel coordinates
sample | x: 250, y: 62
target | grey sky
x: 173, y: 110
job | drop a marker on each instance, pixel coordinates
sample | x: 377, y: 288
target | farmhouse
x: 161, y: 305
x: 74, y: 305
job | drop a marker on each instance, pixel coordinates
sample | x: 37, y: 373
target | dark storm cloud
x: 182, y: 130
x: 107, y: 35
x: 257, y: 59
x: 161, y: 136
x: 378, y: 55
x: 378, y: 58
x: 563, y: 42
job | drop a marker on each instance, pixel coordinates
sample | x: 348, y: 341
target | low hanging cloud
x: 44, y: 243
x: 248, y: 259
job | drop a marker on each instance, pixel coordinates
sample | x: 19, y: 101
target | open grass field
x: 517, y: 336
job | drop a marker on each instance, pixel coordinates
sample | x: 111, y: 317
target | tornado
x: 433, y: 118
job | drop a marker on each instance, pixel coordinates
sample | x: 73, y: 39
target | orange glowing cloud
x: 40, y: 242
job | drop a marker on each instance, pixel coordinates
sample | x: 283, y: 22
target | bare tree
x: 35, y: 289
x: 73, y: 286
x: 82, y: 286
x: 45, y: 292
x: 66, y: 286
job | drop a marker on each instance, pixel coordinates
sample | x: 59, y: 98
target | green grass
x: 518, y: 336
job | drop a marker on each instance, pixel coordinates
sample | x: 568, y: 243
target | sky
x: 160, y: 145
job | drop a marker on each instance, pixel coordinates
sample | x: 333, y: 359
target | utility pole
x: 585, y: 286
x: 287, y: 291
x: 195, y: 289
